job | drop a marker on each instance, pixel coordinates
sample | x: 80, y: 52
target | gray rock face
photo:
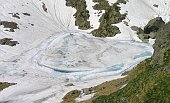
x: 161, y: 55
x: 154, y: 25
x: 150, y: 30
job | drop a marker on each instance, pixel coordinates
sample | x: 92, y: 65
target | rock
x: 111, y: 16
x: 155, y: 5
x: 122, y: 1
x: 152, y: 35
x: 137, y: 29
x: 154, y: 25
x: 82, y: 14
x: 8, y: 41
x: 44, y: 7
x: 87, y: 91
x: 161, y: 54
x: 70, y: 84
x: 11, y: 25
x: 165, y: 68
x: 27, y: 14
x: 150, y: 30
x: 123, y: 99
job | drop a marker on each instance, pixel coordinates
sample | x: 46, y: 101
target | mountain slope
x: 42, y: 50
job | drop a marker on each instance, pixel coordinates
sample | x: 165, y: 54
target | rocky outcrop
x: 161, y: 55
x: 11, y: 25
x: 8, y: 41
x: 81, y: 15
x: 154, y: 25
x: 111, y: 16
x: 150, y: 30
x: 44, y: 7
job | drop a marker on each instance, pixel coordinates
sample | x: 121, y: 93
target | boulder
x: 154, y: 25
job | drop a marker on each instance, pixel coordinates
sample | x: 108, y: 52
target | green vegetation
x: 167, y: 57
x: 111, y: 16
x: 150, y: 86
x: 150, y: 80
x: 101, y: 5
x: 81, y: 15
x: 71, y: 96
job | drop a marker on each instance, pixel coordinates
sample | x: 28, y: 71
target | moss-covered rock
x: 137, y: 29
x: 12, y: 25
x: 106, y: 31
x: 101, y: 5
x: 161, y: 55
x: 81, y: 15
x: 154, y: 25
x: 71, y: 96
x: 111, y: 16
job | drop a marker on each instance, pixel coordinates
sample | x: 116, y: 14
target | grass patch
x: 146, y: 86
x: 114, y: 85
x: 71, y: 96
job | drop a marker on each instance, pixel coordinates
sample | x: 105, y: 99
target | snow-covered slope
x: 52, y: 52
